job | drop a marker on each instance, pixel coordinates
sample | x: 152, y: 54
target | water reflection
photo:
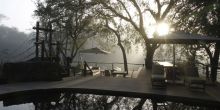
x: 76, y: 101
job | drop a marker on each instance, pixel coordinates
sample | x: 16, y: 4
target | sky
x: 18, y: 14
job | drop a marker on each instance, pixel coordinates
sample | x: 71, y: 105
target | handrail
x: 112, y: 63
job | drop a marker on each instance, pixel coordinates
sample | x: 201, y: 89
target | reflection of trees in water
x: 180, y: 106
x: 70, y: 101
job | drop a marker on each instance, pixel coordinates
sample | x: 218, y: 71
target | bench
x: 195, y: 82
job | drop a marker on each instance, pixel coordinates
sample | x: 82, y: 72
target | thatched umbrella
x: 94, y: 50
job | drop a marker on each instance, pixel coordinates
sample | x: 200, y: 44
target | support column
x: 154, y: 103
x: 50, y: 42
x: 38, y: 28
x: 37, y: 39
x: 174, y: 63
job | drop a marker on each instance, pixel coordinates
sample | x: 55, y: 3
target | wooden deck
x: 119, y: 86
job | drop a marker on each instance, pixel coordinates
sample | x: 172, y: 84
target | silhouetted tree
x: 134, y: 12
x: 201, y: 16
x: 71, y: 19
x: 117, y: 30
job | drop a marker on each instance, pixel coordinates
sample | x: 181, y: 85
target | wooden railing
x: 111, y: 65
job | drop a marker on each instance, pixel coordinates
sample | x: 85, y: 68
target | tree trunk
x: 214, y: 62
x: 124, y: 57
x: 121, y: 46
x: 149, y: 57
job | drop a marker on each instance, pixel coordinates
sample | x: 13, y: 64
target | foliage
x: 135, y: 13
x: 71, y: 18
x: 201, y: 16
x: 198, y: 16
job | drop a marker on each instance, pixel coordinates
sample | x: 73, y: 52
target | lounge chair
x: 107, y: 73
x: 192, y: 78
x: 95, y: 70
x: 87, y: 69
x: 122, y: 73
x: 157, y: 76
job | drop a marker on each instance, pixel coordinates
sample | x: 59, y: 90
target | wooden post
x: 84, y: 69
x: 174, y: 56
x: 37, y: 39
x: 42, y: 50
x: 50, y: 42
x: 174, y: 63
x: 38, y: 28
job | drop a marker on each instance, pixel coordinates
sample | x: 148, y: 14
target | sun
x: 162, y: 29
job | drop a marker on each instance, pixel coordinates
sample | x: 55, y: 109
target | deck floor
x: 119, y: 86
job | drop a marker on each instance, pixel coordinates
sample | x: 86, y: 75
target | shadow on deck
x: 139, y: 87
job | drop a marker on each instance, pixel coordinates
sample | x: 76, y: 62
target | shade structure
x: 183, y: 38
x: 95, y: 50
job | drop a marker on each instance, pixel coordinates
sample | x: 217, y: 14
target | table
x: 165, y: 64
x: 169, y: 70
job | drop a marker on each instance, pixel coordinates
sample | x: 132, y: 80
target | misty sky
x: 19, y: 14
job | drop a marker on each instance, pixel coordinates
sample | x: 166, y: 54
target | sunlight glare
x: 162, y: 29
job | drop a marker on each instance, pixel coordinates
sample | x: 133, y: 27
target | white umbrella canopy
x: 183, y: 38
x: 95, y: 50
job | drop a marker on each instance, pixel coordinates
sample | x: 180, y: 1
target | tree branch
x: 208, y: 51
x: 120, y: 15
x: 158, y: 7
x: 126, y: 10
x: 170, y: 5
x: 152, y: 13
x: 139, y: 12
x: 114, y: 11
x: 113, y: 30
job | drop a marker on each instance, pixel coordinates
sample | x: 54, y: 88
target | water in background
x: 105, y: 61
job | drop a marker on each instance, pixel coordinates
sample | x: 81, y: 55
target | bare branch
x: 113, y: 30
x: 123, y: 5
x: 120, y: 15
x: 152, y: 13
x: 139, y: 12
x: 158, y: 7
x: 208, y: 51
x: 170, y: 5
x: 114, y: 11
